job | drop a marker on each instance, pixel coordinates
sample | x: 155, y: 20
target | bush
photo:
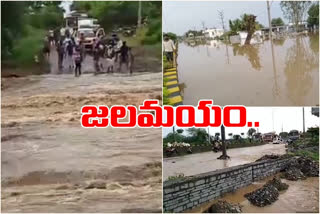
x: 28, y: 46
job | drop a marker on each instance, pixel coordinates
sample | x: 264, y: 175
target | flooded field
x: 283, y: 74
x: 301, y: 197
x: 49, y: 162
x: 207, y: 161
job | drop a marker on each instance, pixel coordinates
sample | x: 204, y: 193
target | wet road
x: 284, y: 74
x: 48, y: 159
x: 207, y: 161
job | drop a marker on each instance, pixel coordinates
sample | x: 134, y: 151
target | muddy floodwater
x: 49, y: 160
x: 302, y: 196
x: 207, y: 161
x: 284, y: 73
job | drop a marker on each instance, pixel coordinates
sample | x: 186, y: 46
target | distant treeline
x: 116, y: 14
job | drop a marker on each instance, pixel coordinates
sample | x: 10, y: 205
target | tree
x: 251, y: 131
x: 173, y: 137
x: 277, y: 22
x: 199, y: 134
x: 295, y: 11
x: 180, y: 131
x: 246, y: 23
x: 235, y: 26
x: 313, y: 14
x: 249, y: 22
x: 283, y: 134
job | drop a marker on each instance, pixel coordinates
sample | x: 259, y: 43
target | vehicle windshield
x: 87, y: 33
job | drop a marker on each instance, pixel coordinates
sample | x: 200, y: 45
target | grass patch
x: 178, y: 176
x: 312, y: 155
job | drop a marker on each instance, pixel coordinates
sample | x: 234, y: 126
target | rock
x: 277, y: 183
x: 293, y: 174
x: 301, y: 167
x: 96, y: 184
x: 222, y: 206
x: 263, y: 196
x: 268, y: 157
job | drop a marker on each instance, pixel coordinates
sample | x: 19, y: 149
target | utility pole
x: 139, y: 15
x: 174, y: 134
x: 304, y: 123
x: 208, y: 136
x: 221, y: 16
x: 269, y: 18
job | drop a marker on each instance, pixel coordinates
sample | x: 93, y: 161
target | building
x: 242, y: 36
x: 213, y: 33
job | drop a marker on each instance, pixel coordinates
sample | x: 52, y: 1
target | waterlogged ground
x: 48, y: 159
x: 301, y: 197
x: 207, y: 161
x: 285, y: 73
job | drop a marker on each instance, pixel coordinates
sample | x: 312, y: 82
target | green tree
x: 23, y: 27
x: 251, y: 132
x: 199, y: 134
x: 114, y: 14
x: 313, y: 14
x: 283, y: 134
x: 172, y: 36
x: 180, y: 131
x: 247, y: 22
x: 295, y: 11
x: 277, y: 22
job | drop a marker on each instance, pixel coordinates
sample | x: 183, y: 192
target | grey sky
x: 270, y: 118
x: 181, y: 16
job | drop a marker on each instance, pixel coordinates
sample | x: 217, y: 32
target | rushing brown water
x: 283, y: 74
x: 48, y: 159
x: 207, y: 161
x: 301, y: 197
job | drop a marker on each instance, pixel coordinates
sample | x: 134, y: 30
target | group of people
x: 71, y: 53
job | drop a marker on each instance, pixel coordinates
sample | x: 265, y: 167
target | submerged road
x: 207, y: 161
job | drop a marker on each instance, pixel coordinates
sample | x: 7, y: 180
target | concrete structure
x: 189, y: 192
x: 213, y: 32
x: 257, y: 37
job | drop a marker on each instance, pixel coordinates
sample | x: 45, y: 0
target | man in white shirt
x: 168, y: 48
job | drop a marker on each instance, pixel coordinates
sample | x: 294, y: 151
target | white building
x: 213, y: 32
x: 242, y: 36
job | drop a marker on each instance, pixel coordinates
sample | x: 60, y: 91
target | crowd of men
x: 72, y: 52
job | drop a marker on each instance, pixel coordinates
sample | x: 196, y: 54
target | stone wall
x: 189, y: 192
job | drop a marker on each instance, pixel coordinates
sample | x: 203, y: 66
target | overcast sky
x: 181, y: 16
x: 270, y: 118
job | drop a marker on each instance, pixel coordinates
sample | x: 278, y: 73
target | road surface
x: 207, y: 161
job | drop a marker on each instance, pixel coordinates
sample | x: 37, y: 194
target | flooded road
x: 301, y: 197
x: 207, y: 161
x: 283, y: 74
x: 48, y: 159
